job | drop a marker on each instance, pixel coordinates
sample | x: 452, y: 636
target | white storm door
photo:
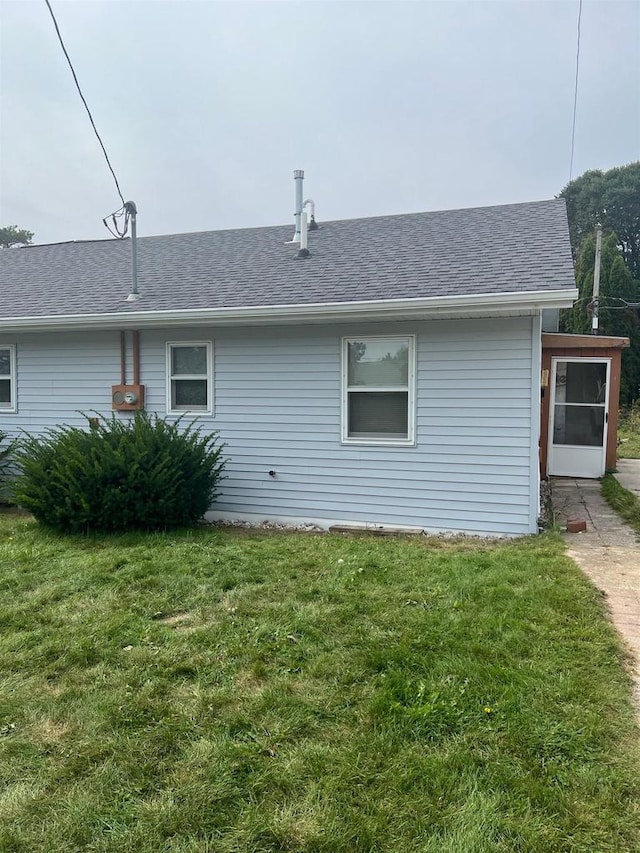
x: 579, y: 415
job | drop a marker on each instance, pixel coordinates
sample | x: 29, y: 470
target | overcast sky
x: 206, y: 108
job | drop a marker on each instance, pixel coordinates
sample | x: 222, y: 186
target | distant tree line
x: 612, y: 199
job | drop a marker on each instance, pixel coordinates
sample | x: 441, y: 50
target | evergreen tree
x: 613, y: 199
x: 616, y: 287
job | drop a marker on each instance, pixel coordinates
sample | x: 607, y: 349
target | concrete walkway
x: 629, y: 475
x: 608, y: 552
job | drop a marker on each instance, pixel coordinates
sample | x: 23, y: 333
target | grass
x: 629, y: 433
x: 253, y: 692
x: 623, y: 501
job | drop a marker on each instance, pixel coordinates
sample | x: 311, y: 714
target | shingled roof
x: 509, y: 249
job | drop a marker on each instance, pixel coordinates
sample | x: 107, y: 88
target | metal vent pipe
x: 298, y: 176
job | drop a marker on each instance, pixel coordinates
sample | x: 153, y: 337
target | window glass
x: 581, y: 382
x: 7, y: 389
x: 186, y: 360
x: 578, y: 425
x: 378, y: 363
x: 378, y: 414
x: 189, y: 394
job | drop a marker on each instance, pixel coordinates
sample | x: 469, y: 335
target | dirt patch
x: 174, y: 620
x: 248, y: 684
x: 49, y: 731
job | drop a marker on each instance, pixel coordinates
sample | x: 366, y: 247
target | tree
x: 11, y: 235
x: 616, y: 288
x: 613, y: 199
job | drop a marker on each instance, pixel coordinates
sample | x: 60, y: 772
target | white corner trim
x: 535, y: 430
x: 483, y: 304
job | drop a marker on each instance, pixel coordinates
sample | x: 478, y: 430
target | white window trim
x: 409, y: 441
x: 209, y: 377
x: 13, y: 385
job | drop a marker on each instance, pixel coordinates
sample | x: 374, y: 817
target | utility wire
x: 575, y: 93
x: 104, y: 150
x: 117, y: 231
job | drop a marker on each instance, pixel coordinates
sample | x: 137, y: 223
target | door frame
x: 580, y: 346
x: 552, y: 405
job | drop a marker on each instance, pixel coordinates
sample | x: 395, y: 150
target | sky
x: 206, y: 108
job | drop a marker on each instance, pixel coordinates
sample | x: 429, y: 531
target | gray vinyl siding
x: 277, y: 401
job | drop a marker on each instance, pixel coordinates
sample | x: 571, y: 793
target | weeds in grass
x: 629, y: 433
x: 623, y: 501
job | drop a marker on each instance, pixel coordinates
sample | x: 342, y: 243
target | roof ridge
x: 325, y: 223
x: 74, y: 242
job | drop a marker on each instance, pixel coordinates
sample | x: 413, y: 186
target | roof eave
x: 438, y: 307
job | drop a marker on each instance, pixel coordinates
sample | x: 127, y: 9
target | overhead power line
x: 75, y: 78
x: 575, y: 92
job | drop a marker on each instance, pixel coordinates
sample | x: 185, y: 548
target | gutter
x: 477, y: 305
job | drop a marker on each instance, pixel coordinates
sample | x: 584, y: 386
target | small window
x: 7, y: 378
x: 189, y: 378
x: 378, y: 390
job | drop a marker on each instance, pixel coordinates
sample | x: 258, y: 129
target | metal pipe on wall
x: 123, y: 359
x: 135, y: 339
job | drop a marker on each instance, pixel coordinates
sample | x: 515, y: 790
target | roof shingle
x: 517, y: 248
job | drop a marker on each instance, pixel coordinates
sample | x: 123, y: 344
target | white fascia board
x: 478, y: 305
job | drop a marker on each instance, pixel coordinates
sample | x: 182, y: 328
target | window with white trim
x: 7, y: 378
x: 190, y: 377
x: 378, y: 390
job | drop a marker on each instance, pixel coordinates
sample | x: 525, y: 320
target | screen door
x: 578, y: 429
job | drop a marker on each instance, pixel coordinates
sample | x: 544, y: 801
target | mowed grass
x: 222, y: 690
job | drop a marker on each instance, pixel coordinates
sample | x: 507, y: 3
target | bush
x: 142, y: 474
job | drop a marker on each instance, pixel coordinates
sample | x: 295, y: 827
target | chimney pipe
x: 133, y: 212
x: 303, y: 251
x: 298, y: 176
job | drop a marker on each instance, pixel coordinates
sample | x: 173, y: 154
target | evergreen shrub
x: 142, y: 474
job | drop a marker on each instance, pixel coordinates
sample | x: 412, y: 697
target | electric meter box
x: 127, y: 398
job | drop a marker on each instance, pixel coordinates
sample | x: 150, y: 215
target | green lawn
x: 629, y: 434
x: 257, y: 692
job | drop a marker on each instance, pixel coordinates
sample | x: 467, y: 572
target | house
x: 389, y: 377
